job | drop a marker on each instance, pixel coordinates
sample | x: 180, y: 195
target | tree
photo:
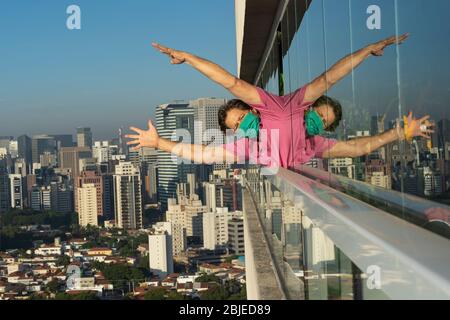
x: 215, y: 293
x: 63, y: 260
x: 173, y: 295
x: 53, y: 286
x: 155, y: 294
x: 208, y: 278
x: 242, y: 295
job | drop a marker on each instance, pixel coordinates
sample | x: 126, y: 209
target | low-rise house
x: 41, y: 270
x: 100, y: 252
x: 14, y: 267
x: 187, y: 278
x: 8, y: 259
x: 117, y: 260
x: 76, y: 244
x: 211, y: 268
x: 201, y: 286
x: 168, y: 282
x: 49, y: 250
x: 187, y: 287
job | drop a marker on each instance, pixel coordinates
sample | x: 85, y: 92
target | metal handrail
x: 413, y: 261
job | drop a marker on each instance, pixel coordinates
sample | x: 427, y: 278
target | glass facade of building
x: 410, y: 181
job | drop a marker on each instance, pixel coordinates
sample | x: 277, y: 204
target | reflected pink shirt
x: 286, y: 143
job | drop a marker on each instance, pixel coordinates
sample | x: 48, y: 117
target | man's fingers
x: 136, y: 129
x: 162, y: 49
x: 132, y: 136
x: 424, y: 118
x: 133, y: 142
x: 136, y: 148
x: 150, y: 124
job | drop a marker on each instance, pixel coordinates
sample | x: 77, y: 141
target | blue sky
x: 107, y: 75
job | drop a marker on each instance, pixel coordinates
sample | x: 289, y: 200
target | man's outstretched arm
x: 366, y: 145
x: 341, y: 69
x: 196, y: 153
x: 239, y: 88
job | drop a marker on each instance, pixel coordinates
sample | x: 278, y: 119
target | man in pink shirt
x: 278, y: 131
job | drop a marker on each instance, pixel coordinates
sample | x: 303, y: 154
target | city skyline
x: 107, y: 84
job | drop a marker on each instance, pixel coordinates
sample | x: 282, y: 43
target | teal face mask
x: 249, y: 127
x: 314, y: 124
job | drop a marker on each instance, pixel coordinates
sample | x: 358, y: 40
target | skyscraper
x: 206, y: 119
x: 127, y: 196
x: 84, y: 137
x: 170, y: 117
x: 70, y: 158
x: 24, y: 146
x: 41, y: 144
x: 5, y: 200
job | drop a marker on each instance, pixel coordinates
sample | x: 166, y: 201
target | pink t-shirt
x: 283, y: 140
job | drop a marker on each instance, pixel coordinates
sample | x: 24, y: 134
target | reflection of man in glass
x: 298, y: 118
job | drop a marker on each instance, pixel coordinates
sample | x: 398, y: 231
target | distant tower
x: 84, y: 137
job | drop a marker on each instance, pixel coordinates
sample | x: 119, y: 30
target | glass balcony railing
x: 326, y: 243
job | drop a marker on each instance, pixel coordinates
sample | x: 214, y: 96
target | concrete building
x: 236, y: 236
x: 91, y: 178
x: 194, y: 211
x: 160, y: 250
x: 87, y: 205
x: 176, y: 216
x: 343, y: 167
x: 127, y: 196
x: 16, y: 184
x: 103, y: 151
x: 215, y: 229
x: 70, y: 159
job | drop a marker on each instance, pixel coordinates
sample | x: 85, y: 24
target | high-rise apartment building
x: 236, y: 235
x: 175, y: 214
x: 127, y: 196
x: 87, y: 200
x: 160, y: 253
x: 90, y: 178
x: 215, y: 229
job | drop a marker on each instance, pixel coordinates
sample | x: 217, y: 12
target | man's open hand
x: 144, y: 138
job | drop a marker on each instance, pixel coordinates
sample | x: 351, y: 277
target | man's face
x: 234, y: 118
x: 326, y: 112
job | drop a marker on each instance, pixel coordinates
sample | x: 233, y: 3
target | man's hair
x: 230, y: 105
x: 337, y: 109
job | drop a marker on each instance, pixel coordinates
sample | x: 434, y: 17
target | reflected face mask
x: 314, y: 124
x: 249, y: 127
